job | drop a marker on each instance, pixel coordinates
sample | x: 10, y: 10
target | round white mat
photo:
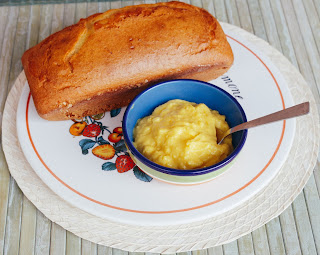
x: 255, y: 212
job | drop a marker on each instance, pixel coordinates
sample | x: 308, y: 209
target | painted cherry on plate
x: 93, y: 129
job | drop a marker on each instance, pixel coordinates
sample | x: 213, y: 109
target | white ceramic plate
x: 90, y: 184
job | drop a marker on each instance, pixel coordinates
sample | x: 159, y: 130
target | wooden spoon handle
x: 290, y: 112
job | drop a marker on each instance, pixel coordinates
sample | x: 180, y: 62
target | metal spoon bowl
x: 291, y: 112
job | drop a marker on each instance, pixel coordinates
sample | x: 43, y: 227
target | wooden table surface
x: 290, y: 26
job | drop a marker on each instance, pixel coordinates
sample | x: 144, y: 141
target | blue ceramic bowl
x: 193, y: 91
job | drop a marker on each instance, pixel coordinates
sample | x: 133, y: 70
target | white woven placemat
x: 252, y: 214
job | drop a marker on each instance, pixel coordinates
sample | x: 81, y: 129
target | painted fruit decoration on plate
x: 105, y: 144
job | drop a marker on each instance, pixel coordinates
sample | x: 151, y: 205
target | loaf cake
x: 104, y: 61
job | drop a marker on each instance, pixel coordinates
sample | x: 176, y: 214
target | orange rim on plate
x: 169, y: 211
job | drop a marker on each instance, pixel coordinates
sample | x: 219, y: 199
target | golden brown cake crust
x: 105, y: 60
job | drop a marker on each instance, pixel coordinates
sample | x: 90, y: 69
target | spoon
x: 294, y: 111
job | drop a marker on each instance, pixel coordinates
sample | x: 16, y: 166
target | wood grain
x: 291, y: 26
x: 58, y: 238
x: 275, y: 238
x: 231, y: 248
x: 73, y: 246
x: 12, y: 196
x: 28, y: 228
x: 244, y: 15
x: 245, y: 245
x: 88, y: 247
x: 257, y: 19
x: 29, y: 211
x: 313, y: 207
x: 289, y: 232
x: 260, y: 241
x: 303, y: 226
x: 43, y: 233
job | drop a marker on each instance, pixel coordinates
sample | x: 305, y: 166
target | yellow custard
x: 182, y: 135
